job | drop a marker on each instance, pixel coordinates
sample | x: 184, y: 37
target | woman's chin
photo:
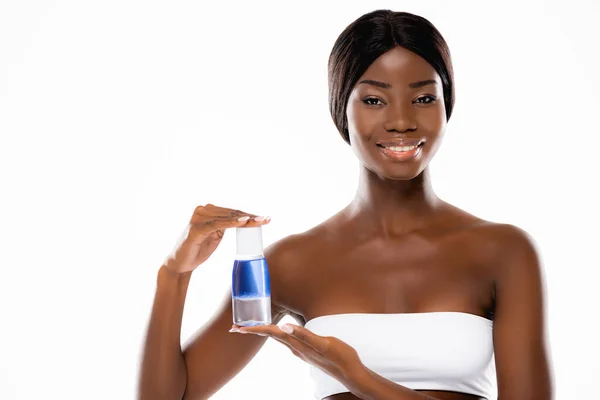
x: 396, y: 172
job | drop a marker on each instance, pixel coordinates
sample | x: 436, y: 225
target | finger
x: 300, y: 349
x: 264, y: 330
x: 319, y: 343
x: 207, y: 214
x: 215, y: 208
x: 226, y: 210
x: 212, y: 210
x: 211, y: 223
x: 214, y: 229
x: 258, y: 221
x: 244, y: 220
x: 277, y: 339
x: 295, y: 345
x: 221, y: 212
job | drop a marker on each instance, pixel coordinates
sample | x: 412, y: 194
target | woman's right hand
x: 204, y: 233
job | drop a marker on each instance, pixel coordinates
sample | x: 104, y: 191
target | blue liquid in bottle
x: 250, y: 285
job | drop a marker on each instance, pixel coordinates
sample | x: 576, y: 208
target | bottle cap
x: 249, y: 245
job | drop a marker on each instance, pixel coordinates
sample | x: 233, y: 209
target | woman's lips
x: 401, y: 153
x: 401, y: 150
x: 401, y: 142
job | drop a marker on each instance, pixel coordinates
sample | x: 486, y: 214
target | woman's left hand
x: 327, y: 353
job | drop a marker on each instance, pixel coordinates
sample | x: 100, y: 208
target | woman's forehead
x: 400, y: 66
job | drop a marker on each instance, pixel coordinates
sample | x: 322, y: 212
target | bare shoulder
x: 293, y: 250
x: 503, y: 236
x: 505, y: 241
x: 498, y: 246
x: 289, y: 252
x: 516, y: 259
x: 505, y: 249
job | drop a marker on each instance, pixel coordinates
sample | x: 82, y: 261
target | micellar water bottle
x: 250, y: 286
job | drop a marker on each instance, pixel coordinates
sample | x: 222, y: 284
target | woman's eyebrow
x: 385, y: 85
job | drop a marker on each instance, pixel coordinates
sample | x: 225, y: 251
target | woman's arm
x: 163, y: 369
x: 520, y: 345
x: 213, y: 356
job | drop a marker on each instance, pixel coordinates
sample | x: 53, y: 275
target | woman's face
x: 396, y: 115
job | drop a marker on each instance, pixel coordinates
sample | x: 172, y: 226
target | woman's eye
x: 372, y: 101
x: 426, y: 99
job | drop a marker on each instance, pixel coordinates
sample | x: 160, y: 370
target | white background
x: 117, y: 118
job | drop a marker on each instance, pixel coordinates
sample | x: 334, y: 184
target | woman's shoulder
x: 469, y: 221
x: 505, y: 241
x: 294, y: 248
x: 496, y: 239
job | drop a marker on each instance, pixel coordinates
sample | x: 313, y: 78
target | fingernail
x: 287, y: 328
x: 246, y: 218
x: 258, y: 219
x: 267, y: 219
x: 235, y: 330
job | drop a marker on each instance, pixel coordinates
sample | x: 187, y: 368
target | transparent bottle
x: 250, y: 285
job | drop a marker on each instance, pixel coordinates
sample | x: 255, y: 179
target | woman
x: 400, y: 295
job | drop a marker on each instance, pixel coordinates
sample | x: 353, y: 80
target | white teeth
x: 402, y: 148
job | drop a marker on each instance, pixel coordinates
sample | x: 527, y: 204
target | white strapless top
x: 450, y: 351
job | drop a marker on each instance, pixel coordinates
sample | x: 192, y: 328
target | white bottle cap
x: 249, y: 245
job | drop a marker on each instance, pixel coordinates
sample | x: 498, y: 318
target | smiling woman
x: 399, y: 295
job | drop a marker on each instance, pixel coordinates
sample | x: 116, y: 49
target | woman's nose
x: 400, y: 118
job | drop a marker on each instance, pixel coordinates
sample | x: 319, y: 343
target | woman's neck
x: 394, y: 207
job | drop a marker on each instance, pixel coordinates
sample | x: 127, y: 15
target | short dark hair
x: 370, y: 36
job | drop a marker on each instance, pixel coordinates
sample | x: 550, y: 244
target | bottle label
x: 250, y: 278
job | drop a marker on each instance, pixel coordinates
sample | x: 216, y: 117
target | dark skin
x: 396, y: 248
